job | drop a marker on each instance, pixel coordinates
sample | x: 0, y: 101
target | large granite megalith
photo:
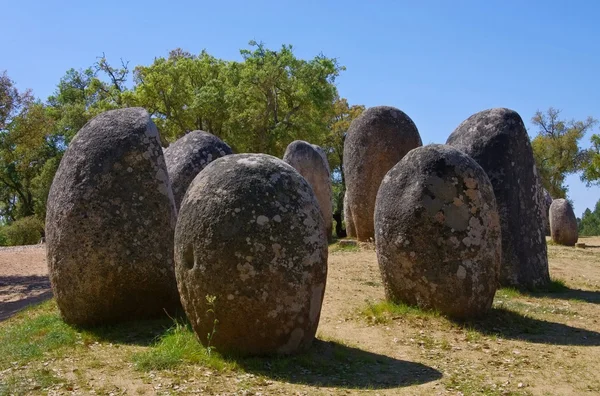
x: 110, y: 223
x: 250, y: 233
x: 310, y: 161
x: 437, y: 232
x: 498, y: 141
x: 375, y: 142
x: 563, y: 223
x: 186, y: 157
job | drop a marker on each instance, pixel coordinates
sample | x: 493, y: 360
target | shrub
x: 24, y: 231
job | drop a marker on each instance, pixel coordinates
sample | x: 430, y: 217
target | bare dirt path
x: 23, y: 278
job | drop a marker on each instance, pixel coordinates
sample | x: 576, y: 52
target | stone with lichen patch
x: 311, y: 162
x: 250, y: 232
x: 186, y: 157
x: 498, y: 141
x: 110, y: 223
x: 563, y: 223
x: 438, y: 232
x: 375, y: 142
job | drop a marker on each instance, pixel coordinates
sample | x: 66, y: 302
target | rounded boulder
x: 310, y: 161
x: 438, y: 233
x: 375, y: 142
x: 563, y: 223
x: 497, y: 140
x: 250, y: 235
x: 187, y: 156
x: 110, y: 223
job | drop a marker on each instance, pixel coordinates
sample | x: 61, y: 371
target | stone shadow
x: 19, y: 292
x: 508, y: 324
x: 331, y: 364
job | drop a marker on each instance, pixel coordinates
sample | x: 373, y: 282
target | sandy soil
x: 536, y: 344
x: 23, y: 278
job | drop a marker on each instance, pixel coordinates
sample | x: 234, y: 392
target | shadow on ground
x: 512, y: 325
x: 142, y: 332
x: 19, y: 292
x: 330, y: 364
x: 570, y: 294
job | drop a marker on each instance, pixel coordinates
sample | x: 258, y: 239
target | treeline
x: 258, y: 104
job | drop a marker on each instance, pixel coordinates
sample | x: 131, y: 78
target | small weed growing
x: 178, y: 346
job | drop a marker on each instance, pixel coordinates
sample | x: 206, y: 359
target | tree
x: 589, y: 224
x: 591, y: 170
x: 556, y: 149
x: 343, y: 115
x: 26, y: 144
x: 83, y: 94
x: 258, y: 105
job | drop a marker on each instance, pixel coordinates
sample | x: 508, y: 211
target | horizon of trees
x: 259, y: 104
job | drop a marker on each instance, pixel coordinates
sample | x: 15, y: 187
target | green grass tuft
x: 177, y: 346
x: 36, y: 332
x: 508, y: 292
x: 385, y: 311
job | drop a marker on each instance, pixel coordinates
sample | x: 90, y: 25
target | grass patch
x: 178, y: 346
x: 37, y: 380
x: 386, y: 311
x: 508, y: 292
x: 337, y: 248
x: 36, y: 332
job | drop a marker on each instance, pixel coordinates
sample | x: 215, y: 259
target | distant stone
x: 498, y: 141
x: 311, y: 162
x: 546, y: 201
x: 375, y: 142
x: 350, y: 231
x: 188, y: 156
x: 580, y: 245
x: 347, y: 242
x: 563, y: 223
x: 250, y: 232
x: 110, y: 223
x: 438, y: 233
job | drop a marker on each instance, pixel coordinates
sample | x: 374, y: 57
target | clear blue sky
x: 439, y: 61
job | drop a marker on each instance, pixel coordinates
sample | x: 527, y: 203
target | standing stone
x: 546, y: 202
x: 375, y: 141
x: 188, y: 156
x: 350, y: 231
x: 310, y: 161
x: 498, y: 141
x: 563, y: 223
x: 110, y: 223
x: 250, y: 233
x: 438, y: 232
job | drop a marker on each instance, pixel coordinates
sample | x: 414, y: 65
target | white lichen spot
x: 237, y: 210
x: 246, y: 271
x: 461, y: 273
x: 130, y: 169
x: 251, y: 162
x: 277, y: 218
x: 262, y: 220
x: 230, y: 297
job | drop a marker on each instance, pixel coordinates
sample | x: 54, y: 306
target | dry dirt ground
x: 539, y: 344
x: 23, y: 278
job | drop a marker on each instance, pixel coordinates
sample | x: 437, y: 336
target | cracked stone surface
x: 498, y: 141
x: 110, y: 223
x: 250, y: 232
x: 438, y: 232
x: 375, y: 142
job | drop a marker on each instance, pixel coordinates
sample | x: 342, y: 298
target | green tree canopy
x: 258, y: 105
x: 556, y: 149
